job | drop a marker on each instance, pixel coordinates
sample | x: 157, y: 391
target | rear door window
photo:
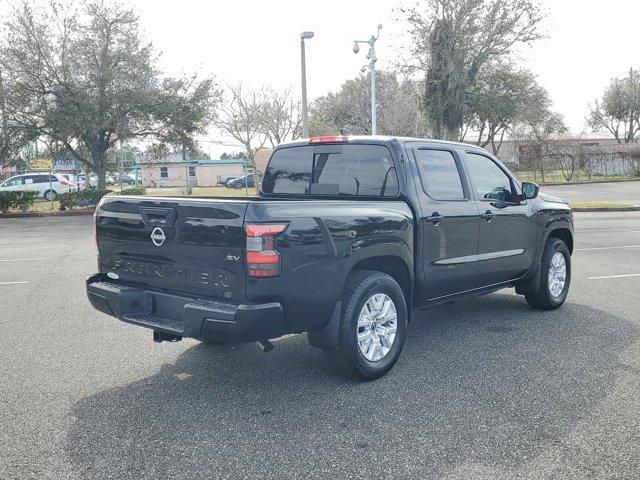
x: 349, y: 170
x: 440, y: 174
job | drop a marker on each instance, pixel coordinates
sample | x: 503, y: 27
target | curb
x: 600, y: 209
x: 587, y: 182
x: 64, y: 213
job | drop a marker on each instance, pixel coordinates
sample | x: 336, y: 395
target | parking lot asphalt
x: 597, y: 192
x: 486, y: 388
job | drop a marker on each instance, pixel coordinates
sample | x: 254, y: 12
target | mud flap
x: 532, y: 285
x: 327, y: 337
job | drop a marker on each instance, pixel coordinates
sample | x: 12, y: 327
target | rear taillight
x: 62, y: 181
x: 261, y: 256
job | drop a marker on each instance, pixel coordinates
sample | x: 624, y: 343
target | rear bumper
x: 186, y: 316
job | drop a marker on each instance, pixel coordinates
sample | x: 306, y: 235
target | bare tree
x: 240, y: 115
x: 537, y: 135
x: 281, y: 118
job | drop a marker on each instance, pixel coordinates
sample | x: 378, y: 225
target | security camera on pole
x: 371, y: 56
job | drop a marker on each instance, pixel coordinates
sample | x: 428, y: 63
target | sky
x: 257, y: 42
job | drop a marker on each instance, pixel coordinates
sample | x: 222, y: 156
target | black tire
x: 239, y: 186
x: 50, y: 195
x: 346, y: 359
x: 540, y: 297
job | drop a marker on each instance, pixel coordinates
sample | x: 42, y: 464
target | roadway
x: 487, y: 388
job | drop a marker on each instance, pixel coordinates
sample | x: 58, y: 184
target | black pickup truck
x: 347, y: 236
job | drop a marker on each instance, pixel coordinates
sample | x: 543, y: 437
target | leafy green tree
x: 350, y: 107
x: 453, y: 40
x: 618, y: 111
x: 501, y: 98
x: 84, y: 77
x: 13, y: 138
x: 187, y: 107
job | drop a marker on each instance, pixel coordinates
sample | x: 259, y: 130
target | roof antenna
x: 345, y: 131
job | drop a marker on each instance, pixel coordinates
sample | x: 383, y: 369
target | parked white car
x: 47, y: 185
x: 82, y: 179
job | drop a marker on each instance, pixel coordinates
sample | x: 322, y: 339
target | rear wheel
x: 239, y: 186
x: 50, y: 195
x: 372, y: 328
x: 555, y: 277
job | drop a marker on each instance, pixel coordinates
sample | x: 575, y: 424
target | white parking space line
x: 615, y: 276
x: 605, y: 248
x: 25, y: 259
x: 46, y: 245
x: 13, y: 283
x: 17, y: 235
x: 607, y: 230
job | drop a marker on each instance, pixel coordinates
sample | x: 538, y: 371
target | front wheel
x: 372, y: 327
x: 239, y: 186
x: 555, y: 277
x: 50, y: 195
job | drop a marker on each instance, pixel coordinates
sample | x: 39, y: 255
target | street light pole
x: 305, y: 120
x: 372, y: 69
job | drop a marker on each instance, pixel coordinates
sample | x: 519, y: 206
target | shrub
x: 137, y: 190
x: 188, y: 190
x: 25, y: 200
x: 7, y: 200
x: 21, y: 200
x: 81, y: 198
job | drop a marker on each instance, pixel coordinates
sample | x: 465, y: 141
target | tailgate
x: 193, y: 246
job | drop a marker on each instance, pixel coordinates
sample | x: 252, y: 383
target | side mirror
x: 530, y: 190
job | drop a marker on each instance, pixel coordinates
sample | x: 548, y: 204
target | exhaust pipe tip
x: 265, y: 345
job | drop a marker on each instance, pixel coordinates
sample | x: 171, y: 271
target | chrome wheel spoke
x: 385, y: 341
x: 377, y: 327
x: 557, y: 276
x: 364, y: 336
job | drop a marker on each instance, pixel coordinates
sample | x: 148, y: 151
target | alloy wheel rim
x: 377, y: 327
x: 557, y: 274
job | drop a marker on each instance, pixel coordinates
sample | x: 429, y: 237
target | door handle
x: 488, y: 215
x: 434, y: 218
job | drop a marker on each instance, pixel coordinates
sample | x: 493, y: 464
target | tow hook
x: 165, y: 337
x: 265, y: 345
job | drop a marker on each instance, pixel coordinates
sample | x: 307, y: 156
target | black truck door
x: 447, y: 225
x: 508, y: 226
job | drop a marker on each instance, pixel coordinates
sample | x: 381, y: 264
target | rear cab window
x: 337, y: 170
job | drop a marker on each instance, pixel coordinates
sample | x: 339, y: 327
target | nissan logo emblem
x: 158, y: 237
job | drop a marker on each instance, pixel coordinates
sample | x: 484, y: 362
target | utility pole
x: 372, y: 69
x: 305, y: 120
